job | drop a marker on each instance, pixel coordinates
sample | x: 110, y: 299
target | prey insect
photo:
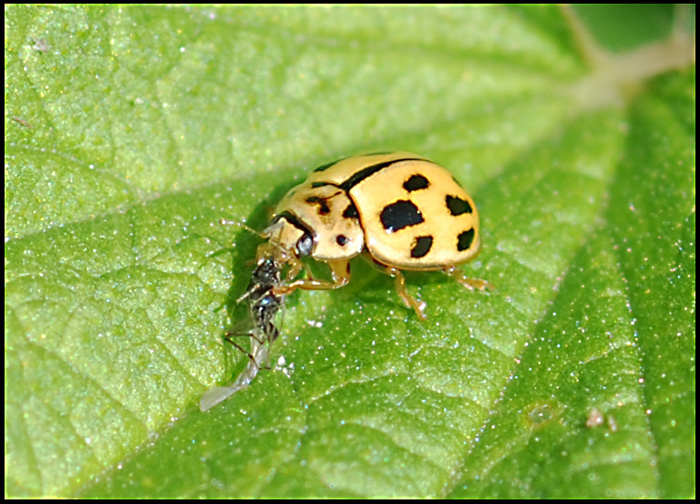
x: 263, y: 306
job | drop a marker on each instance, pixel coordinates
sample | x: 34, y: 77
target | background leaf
x: 130, y: 132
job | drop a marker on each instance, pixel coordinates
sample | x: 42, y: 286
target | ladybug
x: 401, y: 210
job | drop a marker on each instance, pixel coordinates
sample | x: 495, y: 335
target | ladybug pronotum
x: 401, y: 210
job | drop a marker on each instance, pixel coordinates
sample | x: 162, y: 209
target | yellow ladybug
x: 401, y: 210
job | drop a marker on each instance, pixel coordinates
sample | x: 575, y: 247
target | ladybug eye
x: 304, y: 245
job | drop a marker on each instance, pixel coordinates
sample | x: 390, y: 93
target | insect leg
x: 229, y: 338
x: 340, y: 272
x: 470, y: 283
x: 402, y: 291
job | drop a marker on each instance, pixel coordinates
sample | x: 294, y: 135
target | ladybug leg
x: 295, y: 267
x: 340, y: 272
x: 470, y: 283
x: 402, y: 291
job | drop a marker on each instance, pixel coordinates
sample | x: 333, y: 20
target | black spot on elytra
x: 415, y: 183
x: 400, y: 214
x: 350, y: 212
x: 465, y: 240
x: 323, y: 208
x: 421, y: 246
x: 341, y: 240
x: 458, y: 206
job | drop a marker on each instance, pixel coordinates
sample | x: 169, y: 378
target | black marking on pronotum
x: 350, y: 212
x: 465, y: 240
x: 292, y: 219
x: 328, y: 165
x: 415, y: 183
x: 319, y: 184
x: 457, y: 205
x: 400, y: 214
x: 341, y: 240
x: 359, y: 176
x: 421, y: 246
x: 323, y: 208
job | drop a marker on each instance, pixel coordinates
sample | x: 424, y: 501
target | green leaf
x: 132, y: 131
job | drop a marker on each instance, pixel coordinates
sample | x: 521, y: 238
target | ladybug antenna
x: 241, y: 224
